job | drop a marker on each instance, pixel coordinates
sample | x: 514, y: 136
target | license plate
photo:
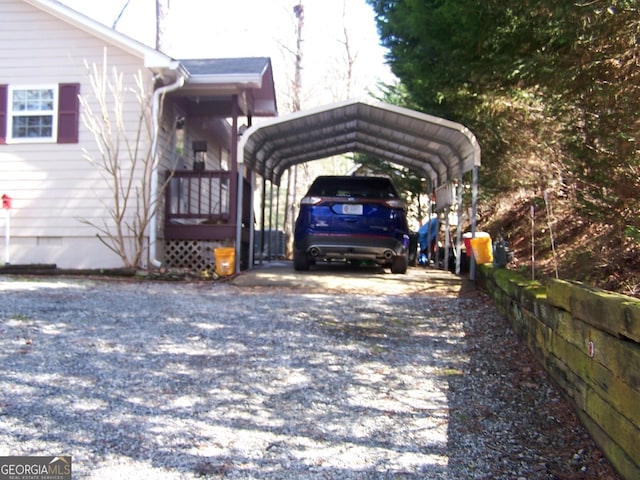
x: 352, y: 209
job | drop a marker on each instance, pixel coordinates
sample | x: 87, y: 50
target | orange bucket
x: 466, y: 238
x: 225, y: 260
x: 482, y: 249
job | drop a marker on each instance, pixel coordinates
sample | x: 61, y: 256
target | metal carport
x: 438, y: 149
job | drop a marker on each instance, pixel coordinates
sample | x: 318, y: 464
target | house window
x: 39, y: 114
x: 32, y: 114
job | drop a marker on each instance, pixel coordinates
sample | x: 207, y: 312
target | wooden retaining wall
x: 588, y: 340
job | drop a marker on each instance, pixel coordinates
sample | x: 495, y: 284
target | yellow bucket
x: 482, y: 249
x: 225, y: 260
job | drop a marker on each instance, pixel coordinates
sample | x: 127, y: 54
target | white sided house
x: 185, y: 128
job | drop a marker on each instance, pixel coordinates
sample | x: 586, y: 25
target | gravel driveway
x: 348, y: 377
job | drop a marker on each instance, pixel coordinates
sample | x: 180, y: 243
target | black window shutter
x: 68, y: 112
x: 4, y: 91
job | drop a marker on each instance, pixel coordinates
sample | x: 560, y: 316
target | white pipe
x: 153, y: 221
x: 7, y: 236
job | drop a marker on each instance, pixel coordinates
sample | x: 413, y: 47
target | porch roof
x: 211, y: 82
x: 436, y: 148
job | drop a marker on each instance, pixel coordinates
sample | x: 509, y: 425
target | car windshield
x: 360, y: 187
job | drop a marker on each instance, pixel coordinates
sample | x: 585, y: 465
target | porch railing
x: 194, y: 197
x: 201, y: 205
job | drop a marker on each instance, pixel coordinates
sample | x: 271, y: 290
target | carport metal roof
x: 436, y: 148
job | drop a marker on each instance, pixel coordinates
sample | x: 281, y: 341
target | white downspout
x: 155, y: 113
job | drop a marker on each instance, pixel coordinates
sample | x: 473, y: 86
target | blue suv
x: 352, y: 218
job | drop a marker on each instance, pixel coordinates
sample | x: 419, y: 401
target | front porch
x: 207, y: 197
x: 201, y: 215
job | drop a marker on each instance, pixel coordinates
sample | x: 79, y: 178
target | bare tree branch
x: 124, y: 160
x: 115, y: 22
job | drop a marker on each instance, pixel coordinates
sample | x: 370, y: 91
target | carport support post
x: 459, y: 228
x: 252, y: 219
x: 447, y: 238
x: 270, y: 214
x: 263, y: 210
x: 277, y: 205
x: 474, y: 212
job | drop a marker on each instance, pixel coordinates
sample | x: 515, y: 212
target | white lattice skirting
x: 193, y: 255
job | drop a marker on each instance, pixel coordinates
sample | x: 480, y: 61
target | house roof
x: 436, y: 148
x: 153, y: 59
x: 249, y: 78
